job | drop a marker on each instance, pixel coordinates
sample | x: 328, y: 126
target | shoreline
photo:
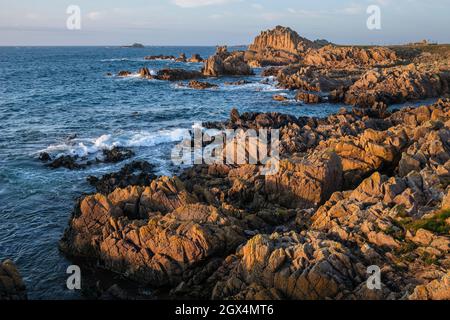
x: 356, y: 188
x: 186, y: 178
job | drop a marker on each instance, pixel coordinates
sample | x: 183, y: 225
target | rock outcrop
x: 356, y: 189
x: 279, y: 46
x: 12, y: 286
x: 350, y: 57
x: 124, y: 73
x: 154, y: 234
x: 196, y: 58
x: 75, y: 162
x: 181, y: 58
x: 199, y: 85
x: 316, y: 79
x: 397, y: 85
x: 136, y: 173
x: 308, y: 97
x: 224, y: 63
x: 160, y: 57
x: 177, y: 74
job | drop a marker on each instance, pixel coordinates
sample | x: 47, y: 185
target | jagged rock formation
x: 364, y: 77
x: 160, y: 57
x: 224, y: 62
x: 181, y: 58
x: 194, y: 84
x: 12, y: 286
x: 316, y: 79
x: 398, y: 84
x: 177, y: 74
x: 358, y: 188
x: 195, y: 58
x: 308, y: 98
x: 279, y: 46
x: 350, y: 57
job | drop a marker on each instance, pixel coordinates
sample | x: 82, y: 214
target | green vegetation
x: 429, y: 259
x: 435, y: 224
x: 401, y: 211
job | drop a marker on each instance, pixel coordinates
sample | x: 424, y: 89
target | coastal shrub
x: 435, y: 224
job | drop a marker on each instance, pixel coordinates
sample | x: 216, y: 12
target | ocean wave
x: 135, y: 75
x: 263, y: 85
x: 115, y: 60
x: 84, y: 147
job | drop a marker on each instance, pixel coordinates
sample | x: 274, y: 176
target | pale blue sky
x: 211, y: 22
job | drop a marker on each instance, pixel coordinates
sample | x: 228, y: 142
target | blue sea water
x: 48, y: 94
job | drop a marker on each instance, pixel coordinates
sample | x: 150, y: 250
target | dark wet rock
x: 160, y: 57
x: 117, y: 154
x: 68, y: 162
x: 124, y: 73
x: 237, y: 83
x: 137, y: 173
x: 45, y: 157
x: 177, y: 74
x: 12, y: 286
x: 75, y: 162
x: 199, y: 85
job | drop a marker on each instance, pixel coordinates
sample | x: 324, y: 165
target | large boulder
x: 153, y: 235
x: 288, y: 266
x: 224, y: 63
x: 177, y: 74
x: 12, y: 286
x: 305, y: 183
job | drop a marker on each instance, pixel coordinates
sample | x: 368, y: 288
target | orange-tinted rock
x: 278, y: 46
x: 224, y: 62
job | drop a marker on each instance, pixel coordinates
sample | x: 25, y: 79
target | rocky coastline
x: 358, y: 188
x: 323, y: 72
x: 367, y: 186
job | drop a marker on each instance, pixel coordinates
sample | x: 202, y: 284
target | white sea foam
x: 115, y: 60
x: 254, y: 86
x: 89, y: 146
x: 135, y: 75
